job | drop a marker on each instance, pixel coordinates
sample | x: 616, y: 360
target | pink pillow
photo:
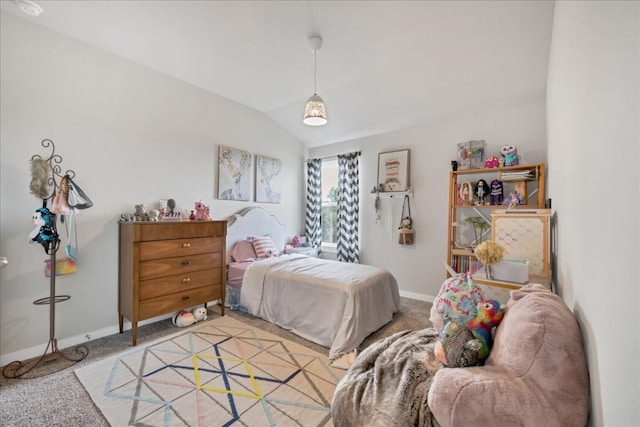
x: 264, y: 246
x: 243, y: 251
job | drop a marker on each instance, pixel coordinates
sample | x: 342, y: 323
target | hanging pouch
x: 60, y: 200
x: 63, y: 266
x: 71, y: 250
x: 405, y: 236
x: 77, y: 198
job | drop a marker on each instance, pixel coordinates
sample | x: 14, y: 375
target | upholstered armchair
x: 536, y: 374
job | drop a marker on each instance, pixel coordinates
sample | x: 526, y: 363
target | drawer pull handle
x: 186, y: 297
x: 187, y: 262
x: 186, y: 280
x: 186, y: 245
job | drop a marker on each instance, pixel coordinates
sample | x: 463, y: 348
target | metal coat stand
x: 44, y: 365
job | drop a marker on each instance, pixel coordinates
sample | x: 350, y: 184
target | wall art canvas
x: 268, y: 179
x: 234, y: 170
x: 393, y: 170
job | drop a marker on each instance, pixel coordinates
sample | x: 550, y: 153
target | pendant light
x: 314, y: 111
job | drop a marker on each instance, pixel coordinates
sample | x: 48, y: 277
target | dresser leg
x: 134, y: 333
x: 121, y: 322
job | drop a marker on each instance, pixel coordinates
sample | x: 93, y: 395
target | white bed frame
x: 253, y: 221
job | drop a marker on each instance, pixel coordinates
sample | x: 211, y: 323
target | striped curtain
x: 348, y: 207
x: 313, y: 226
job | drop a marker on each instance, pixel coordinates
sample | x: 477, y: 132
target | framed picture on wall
x: 234, y: 170
x: 393, y: 171
x: 268, y: 179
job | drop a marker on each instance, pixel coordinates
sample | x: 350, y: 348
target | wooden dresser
x: 165, y: 267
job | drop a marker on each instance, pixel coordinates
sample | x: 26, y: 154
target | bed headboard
x: 253, y: 221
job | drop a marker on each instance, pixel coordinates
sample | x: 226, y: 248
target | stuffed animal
x: 491, y: 162
x: 45, y: 232
x: 153, y: 215
x: 510, y: 156
x: 513, y: 199
x: 489, y: 316
x: 141, y: 212
x: 496, y: 192
x: 202, y: 211
x: 457, y: 348
x: 457, y: 301
x: 183, y: 318
x: 295, y: 242
x: 199, y: 313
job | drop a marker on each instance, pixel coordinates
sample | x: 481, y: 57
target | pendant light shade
x: 314, y: 112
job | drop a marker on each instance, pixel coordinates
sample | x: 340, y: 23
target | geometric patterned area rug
x: 220, y: 373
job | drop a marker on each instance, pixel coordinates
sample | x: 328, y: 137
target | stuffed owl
x: 510, y: 155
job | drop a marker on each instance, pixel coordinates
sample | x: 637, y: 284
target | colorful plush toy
x: 457, y: 348
x: 45, y: 232
x: 183, y: 318
x: 510, y: 155
x: 489, y: 316
x: 457, y: 301
x: 295, y: 242
x: 491, y: 162
x: 202, y: 211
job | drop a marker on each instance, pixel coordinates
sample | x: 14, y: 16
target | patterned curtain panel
x: 314, y: 202
x: 348, y: 207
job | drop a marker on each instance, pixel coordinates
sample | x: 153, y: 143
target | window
x: 329, y: 215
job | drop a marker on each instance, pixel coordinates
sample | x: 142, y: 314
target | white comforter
x: 331, y: 303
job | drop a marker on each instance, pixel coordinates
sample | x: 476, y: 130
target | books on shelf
x: 518, y: 175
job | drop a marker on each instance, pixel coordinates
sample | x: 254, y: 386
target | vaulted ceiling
x: 383, y: 66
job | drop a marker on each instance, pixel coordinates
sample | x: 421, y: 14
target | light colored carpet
x: 219, y: 373
x: 58, y: 399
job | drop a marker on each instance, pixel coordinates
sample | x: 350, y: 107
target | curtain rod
x: 335, y: 157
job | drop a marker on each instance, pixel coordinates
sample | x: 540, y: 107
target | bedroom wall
x: 132, y: 136
x: 593, y: 136
x: 419, y: 268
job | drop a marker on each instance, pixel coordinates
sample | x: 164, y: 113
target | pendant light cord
x: 315, y: 71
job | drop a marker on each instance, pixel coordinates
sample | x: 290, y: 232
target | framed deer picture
x: 268, y: 180
x: 234, y: 170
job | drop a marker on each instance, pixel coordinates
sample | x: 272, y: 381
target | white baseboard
x: 419, y: 297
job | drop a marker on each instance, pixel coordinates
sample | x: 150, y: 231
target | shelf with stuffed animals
x: 474, y: 193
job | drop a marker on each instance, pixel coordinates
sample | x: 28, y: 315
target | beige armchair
x: 536, y: 374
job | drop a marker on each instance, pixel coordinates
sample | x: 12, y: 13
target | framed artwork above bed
x: 234, y: 170
x: 268, y: 179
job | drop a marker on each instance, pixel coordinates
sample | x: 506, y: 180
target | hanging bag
x: 406, y: 224
x: 77, y: 198
x: 68, y: 264
x: 60, y: 200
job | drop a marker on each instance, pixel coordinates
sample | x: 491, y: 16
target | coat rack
x: 44, y: 365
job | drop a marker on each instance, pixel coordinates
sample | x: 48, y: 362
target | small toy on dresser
x: 202, y: 211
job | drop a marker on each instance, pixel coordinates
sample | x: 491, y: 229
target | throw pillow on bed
x: 243, y: 251
x: 264, y: 246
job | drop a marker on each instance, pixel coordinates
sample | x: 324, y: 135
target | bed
x: 334, y: 304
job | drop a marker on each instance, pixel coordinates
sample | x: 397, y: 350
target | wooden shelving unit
x: 461, y: 237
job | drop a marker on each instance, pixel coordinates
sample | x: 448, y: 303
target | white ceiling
x: 384, y: 65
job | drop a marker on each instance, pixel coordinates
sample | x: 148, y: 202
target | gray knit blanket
x: 388, y: 383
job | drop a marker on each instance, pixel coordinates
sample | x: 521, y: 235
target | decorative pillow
x: 457, y: 301
x: 243, y: 251
x: 264, y: 246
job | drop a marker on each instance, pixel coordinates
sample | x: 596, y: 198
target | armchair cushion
x: 535, y: 375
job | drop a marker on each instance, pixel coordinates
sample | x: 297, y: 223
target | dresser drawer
x: 180, y: 230
x: 175, y: 302
x: 180, y: 247
x: 178, y: 283
x: 179, y: 265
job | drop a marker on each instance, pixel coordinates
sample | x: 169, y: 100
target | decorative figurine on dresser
x: 168, y: 266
